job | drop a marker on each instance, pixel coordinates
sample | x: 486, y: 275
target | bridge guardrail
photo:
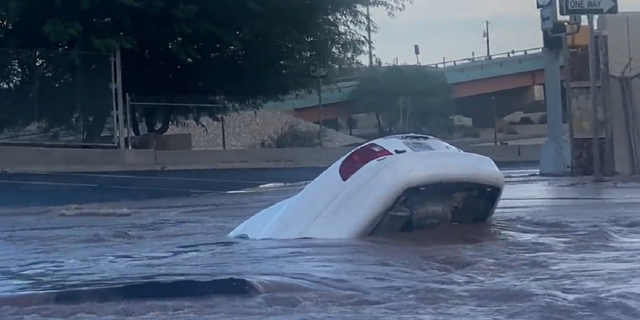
x: 456, y: 67
x: 458, y: 62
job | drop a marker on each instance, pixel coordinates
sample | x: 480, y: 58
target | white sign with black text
x: 585, y: 7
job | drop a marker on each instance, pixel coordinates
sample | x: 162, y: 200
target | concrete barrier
x: 64, y: 159
x: 508, y: 153
x: 26, y: 159
x: 252, y: 158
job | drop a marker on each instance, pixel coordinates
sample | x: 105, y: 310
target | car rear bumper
x: 360, y: 208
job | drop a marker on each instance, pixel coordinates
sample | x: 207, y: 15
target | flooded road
x: 556, y: 249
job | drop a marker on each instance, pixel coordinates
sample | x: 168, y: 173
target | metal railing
x: 454, y: 63
x: 509, y: 54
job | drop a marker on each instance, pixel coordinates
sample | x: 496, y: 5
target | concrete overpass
x: 469, y: 77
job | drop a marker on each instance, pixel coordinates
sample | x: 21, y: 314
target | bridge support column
x: 555, y: 154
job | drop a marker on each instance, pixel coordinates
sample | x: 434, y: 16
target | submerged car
x: 396, y: 183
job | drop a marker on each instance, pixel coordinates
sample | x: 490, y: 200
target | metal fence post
x: 605, y: 99
x: 320, y: 123
x: 129, y: 143
x: 223, y: 113
x: 597, y: 172
x: 569, y: 102
x: 120, y: 99
x: 114, y: 111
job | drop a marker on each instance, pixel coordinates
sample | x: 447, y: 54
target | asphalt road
x: 55, y: 189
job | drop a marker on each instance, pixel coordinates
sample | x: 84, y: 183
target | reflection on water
x: 551, y: 259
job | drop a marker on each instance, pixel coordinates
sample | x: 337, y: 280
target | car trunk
x: 430, y: 205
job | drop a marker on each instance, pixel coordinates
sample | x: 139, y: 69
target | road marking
x: 97, y: 175
x: 64, y: 184
x: 520, y: 173
x: 263, y: 188
x: 162, y: 189
x: 272, y: 187
x: 50, y: 183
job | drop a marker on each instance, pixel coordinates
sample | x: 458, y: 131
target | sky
x: 452, y: 29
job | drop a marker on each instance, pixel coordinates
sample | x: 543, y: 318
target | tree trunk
x: 166, y: 121
x: 379, y: 123
x: 95, y: 127
x: 135, y: 126
x: 150, y: 120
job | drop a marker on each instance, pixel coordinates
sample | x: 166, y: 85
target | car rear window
x: 429, y: 145
x: 418, y: 146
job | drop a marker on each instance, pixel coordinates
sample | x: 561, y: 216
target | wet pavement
x: 556, y: 249
x: 55, y: 189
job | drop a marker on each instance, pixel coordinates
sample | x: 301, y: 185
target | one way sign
x: 585, y: 7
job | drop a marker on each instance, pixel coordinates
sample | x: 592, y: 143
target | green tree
x: 248, y: 51
x: 407, y: 98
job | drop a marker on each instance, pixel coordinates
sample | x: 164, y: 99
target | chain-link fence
x: 54, y: 97
x: 175, y: 123
x: 625, y: 95
x: 201, y: 122
x: 586, y: 107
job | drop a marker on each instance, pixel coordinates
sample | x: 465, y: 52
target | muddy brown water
x: 556, y: 249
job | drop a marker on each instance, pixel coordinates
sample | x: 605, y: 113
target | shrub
x: 511, y: 131
x: 526, y: 120
x: 352, y: 123
x: 332, y: 124
x: 291, y: 136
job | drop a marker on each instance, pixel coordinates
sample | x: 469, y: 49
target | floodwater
x: 556, y: 249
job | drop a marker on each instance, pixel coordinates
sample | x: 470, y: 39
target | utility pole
x: 369, y: 41
x: 495, y: 121
x: 485, y: 34
x: 318, y: 69
x: 597, y: 173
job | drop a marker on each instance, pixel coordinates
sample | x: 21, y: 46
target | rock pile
x: 247, y: 129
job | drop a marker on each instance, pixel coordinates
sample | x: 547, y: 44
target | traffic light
x: 553, y: 39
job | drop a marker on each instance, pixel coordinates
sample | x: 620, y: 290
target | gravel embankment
x: 247, y: 129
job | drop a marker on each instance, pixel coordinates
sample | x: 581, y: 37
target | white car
x: 392, y: 184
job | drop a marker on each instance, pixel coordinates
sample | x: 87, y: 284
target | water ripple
x: 550, y: 257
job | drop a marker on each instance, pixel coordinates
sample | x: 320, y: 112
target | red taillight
x: 360, y: 157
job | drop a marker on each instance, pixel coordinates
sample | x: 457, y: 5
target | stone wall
x: 582, y: 113
x: 583, y: 132
x: 583, y: 156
